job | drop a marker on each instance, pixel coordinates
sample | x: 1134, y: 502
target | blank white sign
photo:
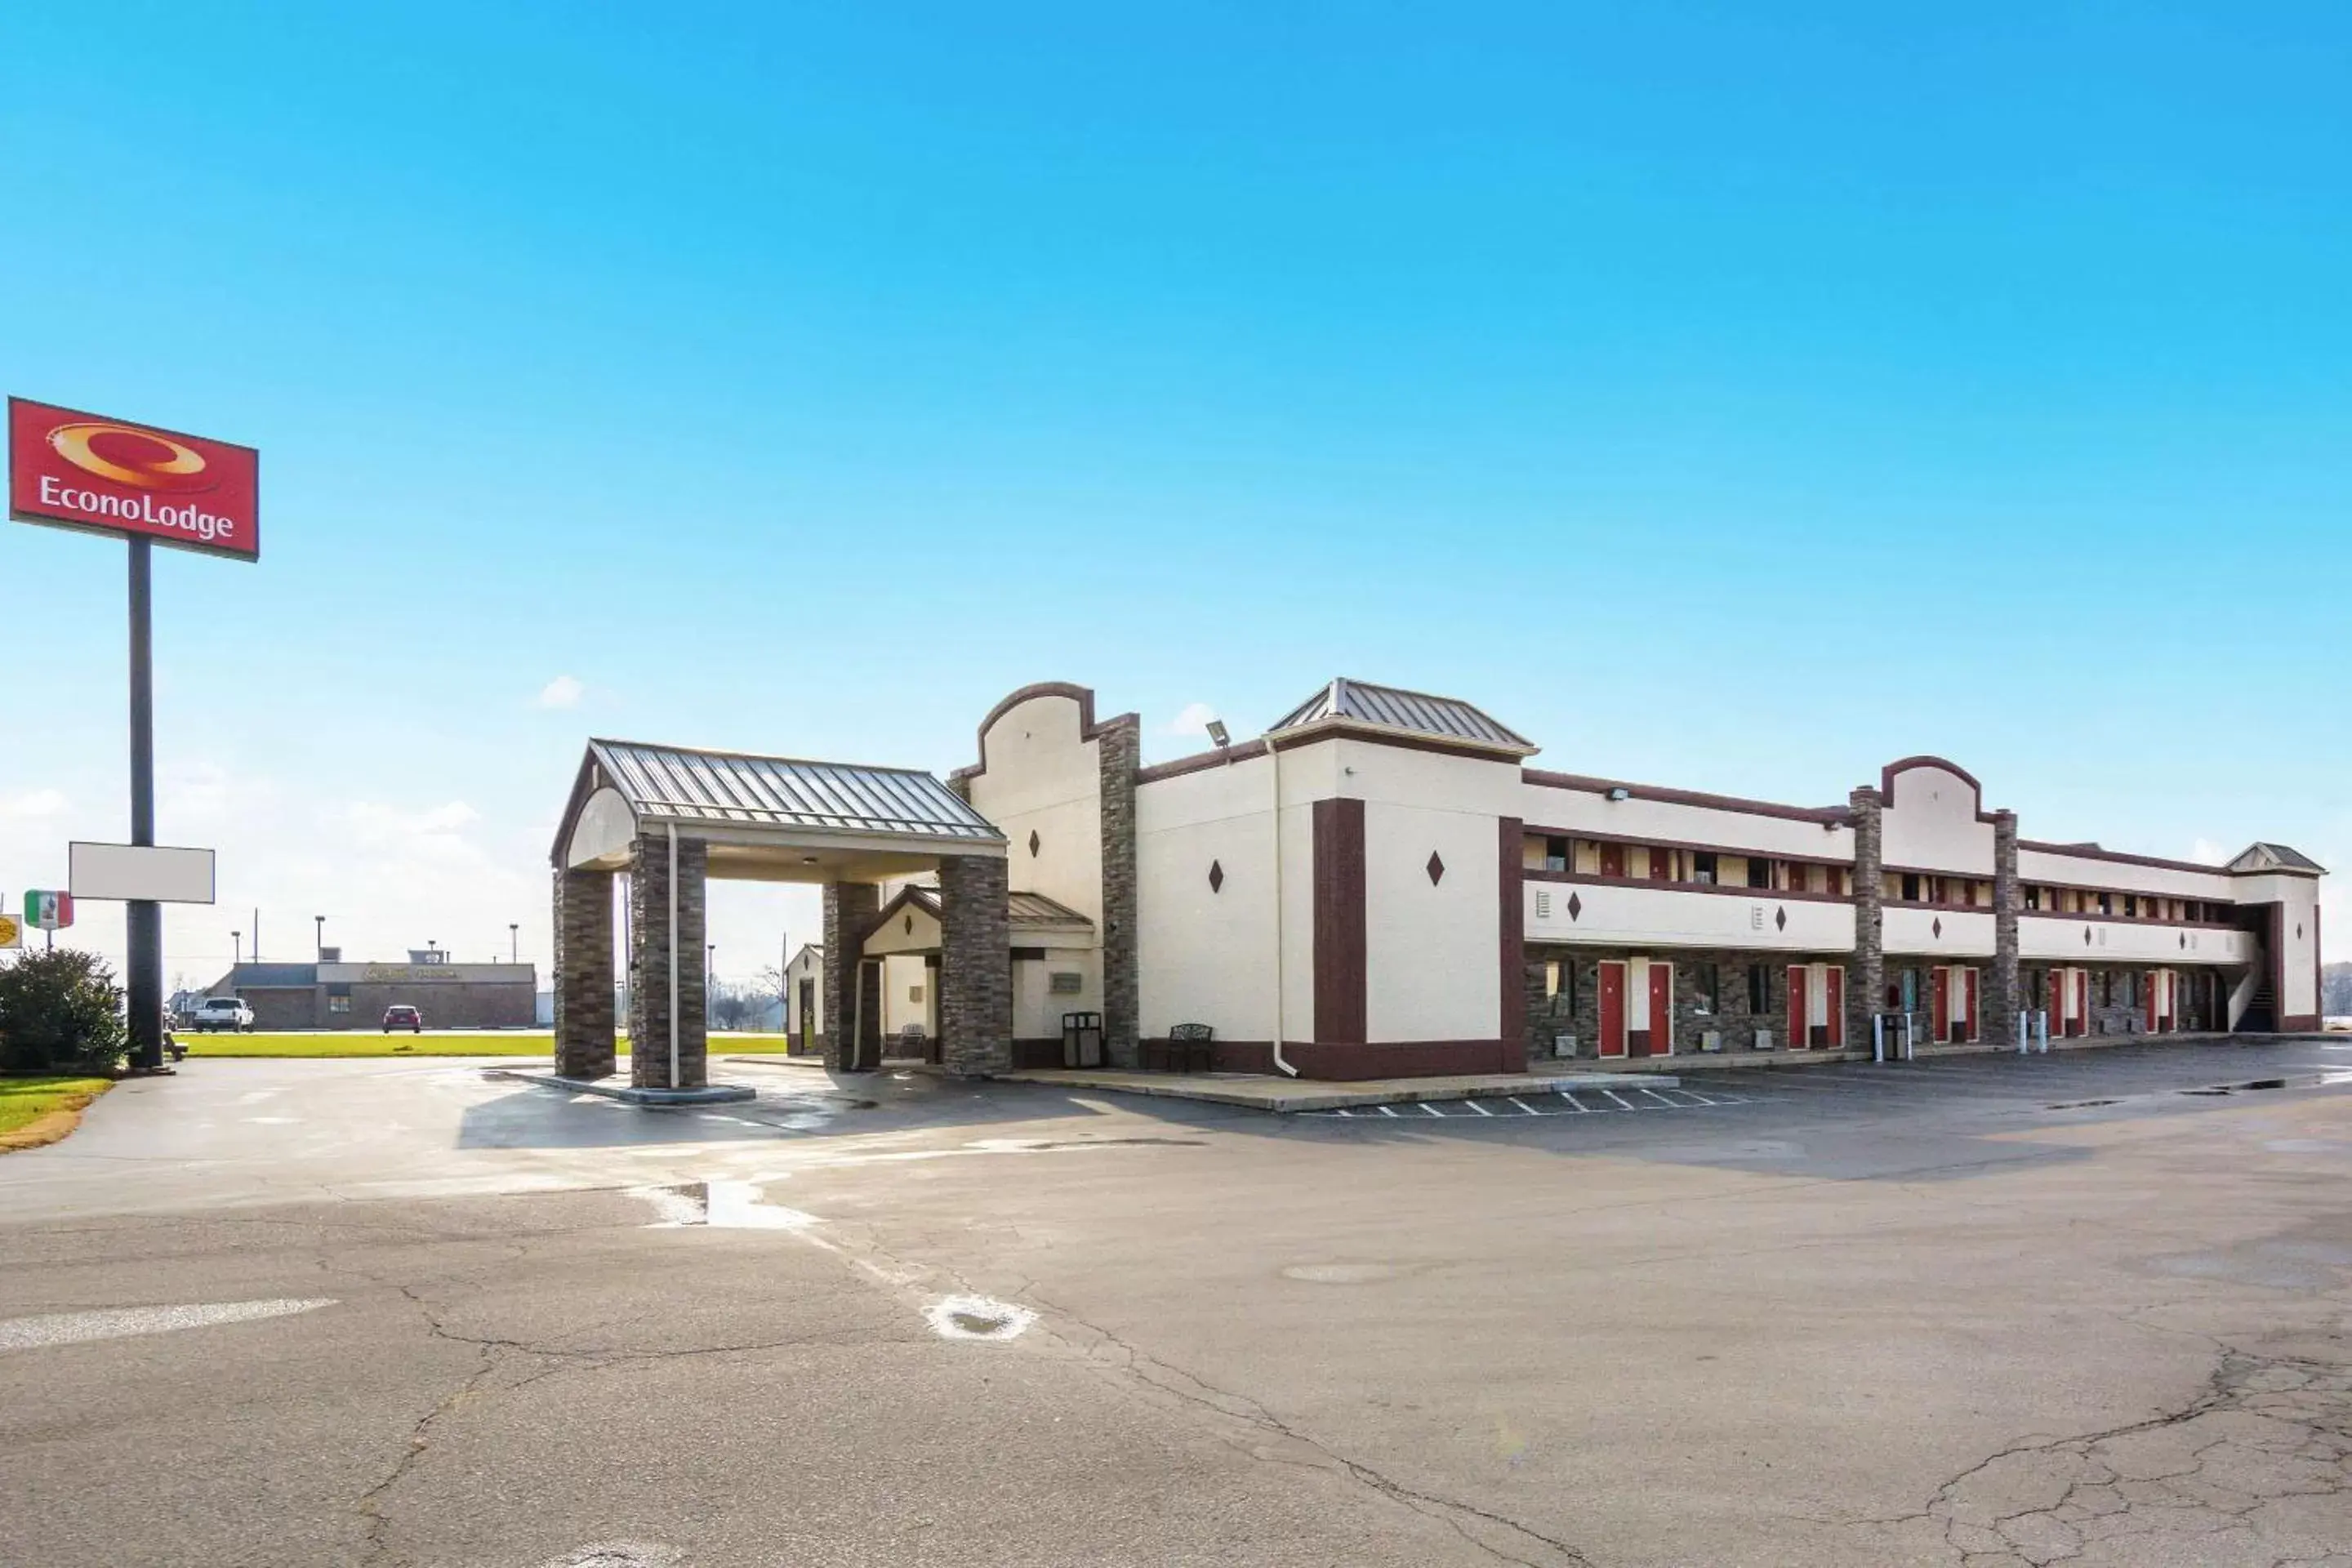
x: 145, y: 873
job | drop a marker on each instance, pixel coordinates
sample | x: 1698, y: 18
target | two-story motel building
x: 1382, y: 884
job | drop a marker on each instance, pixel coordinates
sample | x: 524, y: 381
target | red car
x: 407, y: 1018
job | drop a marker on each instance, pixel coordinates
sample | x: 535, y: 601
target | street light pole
x: 514, y: 941
x: 239, y: 938
x: 321, y: 943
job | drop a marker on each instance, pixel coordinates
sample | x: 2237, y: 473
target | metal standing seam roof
x: 1413, y: 712
x: 2263, y: 856
x: 1036, y: 909
x: 721, y: 787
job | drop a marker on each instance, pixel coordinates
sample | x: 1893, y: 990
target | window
x: 1759, y: 872
x: 1703, y: 867
x: 2131, y: 905
x: 1910, y: 887
x: 1568, y: 984
x: 338, y: 1003
x: 2106, y: 903
x: 1836, y: 884
x: 1759, y: 990
x: 2106, y: 987
x: 2131, y: 988
x: 1554, y: 853
x: 1907, y: 983
x: 1710, y: 989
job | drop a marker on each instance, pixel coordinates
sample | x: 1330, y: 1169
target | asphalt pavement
x: 1976, y: 1311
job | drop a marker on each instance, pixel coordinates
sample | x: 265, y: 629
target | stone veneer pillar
x: 583, y: 974
x: 849, y: 912
x: 1119, y: 746
x: 649, y: 965
x: 1867, y: 995
x: 1999, y: 1026
x: 975, y: 967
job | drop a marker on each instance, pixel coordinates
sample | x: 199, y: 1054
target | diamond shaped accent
x: 1575, y: 906
x: 1217, y: 876
x: 910, y: 925
x: 2087, y: 936
x: 1436, y: 868
x: 1034, y: 842
x: 2184, y: 939
x: 1938, y: 927
x: 1781, y: 917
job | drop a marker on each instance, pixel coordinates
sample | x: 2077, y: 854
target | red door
x: 2057, y: 1002
x: 1968, y: 1027
x: 1801, y: 1034
x: 2147, y: 1005
x: 1612, y: 1009
x: 1939, y: 1015
x: 2080, y: 1024
x: 1662, y: 1006
x: 1836, y: 977
x: 1662, y: 861
x: 1612, y: 864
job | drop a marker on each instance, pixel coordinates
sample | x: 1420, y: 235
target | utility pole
x: 320, y: 921
x: 514, y: 941
x: 237, y: 937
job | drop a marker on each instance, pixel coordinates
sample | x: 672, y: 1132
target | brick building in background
x: 332, y: 994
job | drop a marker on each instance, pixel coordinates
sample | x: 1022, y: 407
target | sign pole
x: 143, y: 922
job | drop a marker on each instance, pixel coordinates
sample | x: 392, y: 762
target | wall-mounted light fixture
x: 1621, y: 793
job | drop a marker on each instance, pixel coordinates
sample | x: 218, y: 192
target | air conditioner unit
x: 1710, y: 1040
x: 1563, y: 1044
x: 1763, y: 1039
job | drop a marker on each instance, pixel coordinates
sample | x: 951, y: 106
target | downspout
x: 673, y: 956
x: 1274, y: 759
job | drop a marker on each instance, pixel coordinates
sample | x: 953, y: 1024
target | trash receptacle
x: 1082, y: 1040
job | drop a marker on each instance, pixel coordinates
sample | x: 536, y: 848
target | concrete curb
x: 629, y: 1094
x: 1289, y: 1099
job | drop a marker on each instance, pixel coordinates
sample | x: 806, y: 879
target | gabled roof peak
x: 2260, y: 856
x: 1360, y: 705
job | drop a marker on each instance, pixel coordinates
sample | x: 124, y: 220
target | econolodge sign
x: 83, y: 470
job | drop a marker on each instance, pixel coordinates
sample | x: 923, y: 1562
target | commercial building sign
x: 83, y: 470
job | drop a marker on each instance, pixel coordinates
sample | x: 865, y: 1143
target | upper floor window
x: 1554, y: 853
x: 1910, y: 887
x: 1703, y: 867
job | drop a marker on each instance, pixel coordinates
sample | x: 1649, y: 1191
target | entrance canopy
x: 767, y: 819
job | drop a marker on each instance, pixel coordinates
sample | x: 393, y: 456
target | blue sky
x: 1731, y: 396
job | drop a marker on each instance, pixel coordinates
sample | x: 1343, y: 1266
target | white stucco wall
x: 1911, y: 931
x: 1931, y: 824
x: 1660, y: 916
x: 1041, y: 775
x: 1037, y: 1009
x: 2057, y: 939
x: 2055, y: 868
x: 1208, y: 957
x: 1549, y: 806
x: 2299, y: 934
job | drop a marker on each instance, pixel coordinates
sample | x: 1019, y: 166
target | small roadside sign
x: 12, y: 932
x: 46, y: 909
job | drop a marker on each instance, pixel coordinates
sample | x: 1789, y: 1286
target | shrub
x: 60, y: 1009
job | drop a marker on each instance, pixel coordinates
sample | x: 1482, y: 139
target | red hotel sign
x: 85, y: 471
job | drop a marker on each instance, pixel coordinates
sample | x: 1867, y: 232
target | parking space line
x: 1576, y: 1105
x: 1431, y: 1110
x: 1523, y: 1105
x: 1478, y: 1108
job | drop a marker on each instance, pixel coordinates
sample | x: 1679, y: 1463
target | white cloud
x: 1192, y: 720
x: 563, y: 692
x: 2209, y: 852
x: 33, y: 804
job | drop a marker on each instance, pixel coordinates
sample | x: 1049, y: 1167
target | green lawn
x: 27, y: 1100
x: 375, y: 1043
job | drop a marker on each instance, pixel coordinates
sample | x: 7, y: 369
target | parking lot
x: 1977, y: 1311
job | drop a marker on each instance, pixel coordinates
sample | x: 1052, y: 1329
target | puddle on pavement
x: 2080, y: 1104
x: 977, y: 1318
x: 722, y: 1206
x: 2333, y: 1078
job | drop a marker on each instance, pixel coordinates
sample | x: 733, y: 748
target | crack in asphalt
x: 1179, y: 1384
x: 2265, y: 1429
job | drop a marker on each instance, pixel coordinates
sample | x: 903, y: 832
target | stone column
x: 1866, y: 993
x: 849, y: 911
x: 1120, y: 749
x: 583, y: 974
x: 975, y: 967
x: 649, y: 965
x: 2003, y: 998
